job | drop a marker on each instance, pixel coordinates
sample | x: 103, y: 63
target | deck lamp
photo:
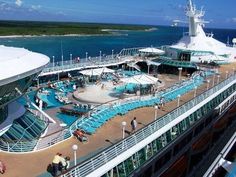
x: 218, y: 80
x: 178, y: 100
x: 226, y: 74
x: 75, y: 148
x: 208, y: 82
x: 123, y: 129
x: 213, y: 80
x: 156, y: 108
x: 195, y: 91
x: 180, y: 73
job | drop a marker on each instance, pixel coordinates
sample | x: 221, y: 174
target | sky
x: 151, y: 12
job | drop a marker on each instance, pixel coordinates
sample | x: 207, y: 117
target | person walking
x: 2, y: 167
x: 55, y: 164
x: 133, y: 124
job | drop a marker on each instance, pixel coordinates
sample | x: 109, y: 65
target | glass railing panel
x: 121, y: 170
x: 129, y: 166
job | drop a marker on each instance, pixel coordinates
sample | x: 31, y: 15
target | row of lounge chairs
x: 97, y: 119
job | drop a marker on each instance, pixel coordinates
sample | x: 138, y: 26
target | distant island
x: 29, y: 28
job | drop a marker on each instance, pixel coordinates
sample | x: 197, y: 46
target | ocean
x: 79, y: 45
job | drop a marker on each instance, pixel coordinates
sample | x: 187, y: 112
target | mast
x: 194, y: 16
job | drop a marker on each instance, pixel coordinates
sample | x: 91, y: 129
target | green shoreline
x: 27, y: 28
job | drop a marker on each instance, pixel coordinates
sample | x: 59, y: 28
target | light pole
x: 38, y: 82
x: 123, y: 129
x: 62, y: 59
x: 226, y: 74
x: 100, y: 56
x: 180, y: 73
x: 218, y: 79
x: 53, y: 62
x: 208, y: 83
x: 156, y: 108
x: 71, y: 59
x: 213, y: 80
x: 178, y: 101
x: 75, y: 148
x: 195, y: 91
x: 86, y: 58
x: 148, y: 68
x: 112, y: 51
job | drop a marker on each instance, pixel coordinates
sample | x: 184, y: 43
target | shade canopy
x: 142, y: 79
x: 134, y: 65
x: 152, y: 50
x: 96, y: 72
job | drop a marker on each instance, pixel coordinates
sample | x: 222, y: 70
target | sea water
x: 79, y: 45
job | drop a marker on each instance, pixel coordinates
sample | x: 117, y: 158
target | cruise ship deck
x: 36, y: 163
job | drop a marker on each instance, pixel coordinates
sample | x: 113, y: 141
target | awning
x: 152, y: 50
x: 96, y: 72
x: 142, y: 79
x: 153, y: 63
x: 134, y: 65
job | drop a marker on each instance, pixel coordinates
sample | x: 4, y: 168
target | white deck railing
x: 125, y: 55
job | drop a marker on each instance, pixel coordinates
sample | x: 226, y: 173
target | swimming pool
x: 49, y: 98
x: 67, y: 119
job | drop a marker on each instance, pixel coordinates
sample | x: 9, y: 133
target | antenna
x: 61, y: 49
x: 190, y: 5
x: 62, y: 54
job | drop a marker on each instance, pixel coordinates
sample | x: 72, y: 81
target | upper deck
x: 107, y: 135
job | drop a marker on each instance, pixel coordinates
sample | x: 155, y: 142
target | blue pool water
x: 50, y: 99
x: 125, y: 88
x: 68, y: 120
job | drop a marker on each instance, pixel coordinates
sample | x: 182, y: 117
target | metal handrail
x: 115, y: 150
x: 92, y: 61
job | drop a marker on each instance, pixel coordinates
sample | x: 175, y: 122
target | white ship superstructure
x: 196, y: 45
x: 18, y: 68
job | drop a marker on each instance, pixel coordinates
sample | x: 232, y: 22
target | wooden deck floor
x: 35, y: 164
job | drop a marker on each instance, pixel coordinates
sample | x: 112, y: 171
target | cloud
x: 18, y: 2
x: 4, y: 7
x: 234, y: 19
x: 36, y: 7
